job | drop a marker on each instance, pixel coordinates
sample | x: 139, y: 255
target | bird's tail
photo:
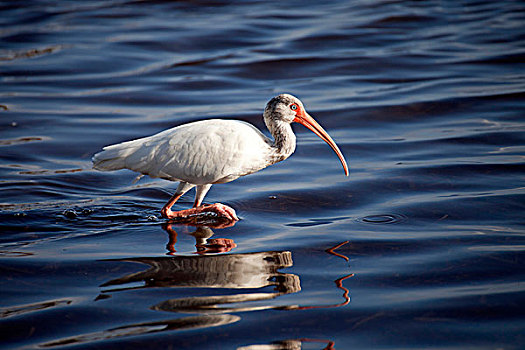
x: 113, y: 157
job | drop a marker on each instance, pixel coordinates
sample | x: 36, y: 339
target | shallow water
x: 425, y: 99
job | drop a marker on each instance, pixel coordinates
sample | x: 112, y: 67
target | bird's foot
x: 221, y: 210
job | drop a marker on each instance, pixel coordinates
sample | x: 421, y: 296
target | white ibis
x: 213, y: 151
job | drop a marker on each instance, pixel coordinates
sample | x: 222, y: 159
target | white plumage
x: 203, y: 152
x: 213, y: 151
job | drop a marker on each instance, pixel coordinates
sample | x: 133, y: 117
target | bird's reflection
x: 234, y: 271
x: 246, y: 275
x: 228, y: 271
x: 231, y: 271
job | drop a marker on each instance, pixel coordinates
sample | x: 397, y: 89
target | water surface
x: 425, y: 99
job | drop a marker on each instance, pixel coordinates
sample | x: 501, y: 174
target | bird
x: 213, y: 151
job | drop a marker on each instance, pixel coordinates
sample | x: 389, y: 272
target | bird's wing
x: 212, y: 151
x: 203, y: 152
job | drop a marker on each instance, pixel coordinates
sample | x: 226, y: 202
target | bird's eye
x: 293, y: 107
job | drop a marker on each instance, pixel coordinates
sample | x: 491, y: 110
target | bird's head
x: 283, y: 107
x: 288, y: 109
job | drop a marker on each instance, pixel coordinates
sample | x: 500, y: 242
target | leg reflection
x: 203, y: 243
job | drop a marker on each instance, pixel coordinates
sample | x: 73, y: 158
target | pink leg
x: 166, y: 210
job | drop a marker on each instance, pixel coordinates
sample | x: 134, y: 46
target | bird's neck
x: 284, y: 140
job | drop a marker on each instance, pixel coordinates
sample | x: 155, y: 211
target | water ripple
x: 381, y: 219
x: 425, y: 99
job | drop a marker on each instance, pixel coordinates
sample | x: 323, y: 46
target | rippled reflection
x: 236, y: 271
x: 28, y: 308
x: 289, y: 344
x: 246, y: 276
x: 226, y: 271
x: 204, y: 321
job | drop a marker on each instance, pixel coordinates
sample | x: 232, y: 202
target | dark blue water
x: 425, y: 99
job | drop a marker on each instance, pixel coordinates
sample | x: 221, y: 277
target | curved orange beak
x: 305, y: 119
